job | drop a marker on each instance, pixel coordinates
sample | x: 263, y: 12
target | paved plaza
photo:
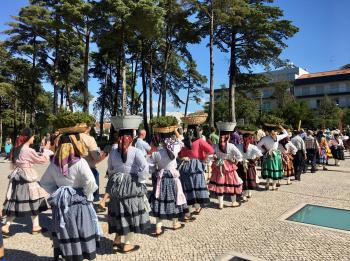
x: 254, y: 229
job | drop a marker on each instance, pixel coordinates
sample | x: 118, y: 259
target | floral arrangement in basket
x: 164, y: 124
x: 71, y: 122
x: 247, y: 129
x: 195, y: 118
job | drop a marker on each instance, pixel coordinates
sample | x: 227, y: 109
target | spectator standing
x: 312, y: 148
x: 8, y: 148
x: 141, y: 144
x: 94, y: 156
x: 214, y: 138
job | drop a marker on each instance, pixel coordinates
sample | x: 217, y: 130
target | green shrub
x: 164, y: 121
x: 66, y: 118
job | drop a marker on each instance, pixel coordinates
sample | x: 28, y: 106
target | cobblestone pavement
x: 253, y: 229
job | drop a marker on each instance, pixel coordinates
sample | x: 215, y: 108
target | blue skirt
x: 193, y: 182
x: 165, y: 206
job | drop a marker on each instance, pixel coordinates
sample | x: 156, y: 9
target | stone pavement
x: 254, y: 229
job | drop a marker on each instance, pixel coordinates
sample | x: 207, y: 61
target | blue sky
x: 321, y: 44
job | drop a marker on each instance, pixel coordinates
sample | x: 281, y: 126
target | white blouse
x: 232, y: 154
x: 267, y: 143
x: 290, y: 148
x: 162, y: 160
x: 136, y: 162
x: 79, y: 176
x: 252, y: 152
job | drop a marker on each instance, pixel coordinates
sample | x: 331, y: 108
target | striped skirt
x: 24, y: 198
x: 272, y: 166
x: 248, y: 175
x: 288, y: 165
x: 78, y: 238
x: 193, y: 182
x: 165, y: 206
x: 225, y: 180
x: 127, y: 209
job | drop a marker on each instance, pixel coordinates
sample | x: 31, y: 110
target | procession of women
x: 186, y: 171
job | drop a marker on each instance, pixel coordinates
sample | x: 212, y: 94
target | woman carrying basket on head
x: 224, y: 179
x: 167, y: 200
x: 128, y: 209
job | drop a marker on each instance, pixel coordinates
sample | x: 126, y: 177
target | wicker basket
x: 246, y: 132
x: 275, y: 126
x: 195, y: 119
x: 79, y: 128
x: 168, y: 129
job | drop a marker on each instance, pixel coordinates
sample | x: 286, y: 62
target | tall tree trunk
x: 132, y: 105
x: 164, y: 78
x: 232, y: 84
x: 123, y: 72
x: 144, y: 89
x: 159, y: 102
x: 55, y: 72
x: 69, y: 102
x: 150, y: 88
x: 34, y: 78
x: 15, y: 131
x: 211, y: 44
x: 117, y: 85
x: 86, y: 72
x: 62, y: 96
x: 102, y: 114
x: 188, y: 94
x: 25, y: 117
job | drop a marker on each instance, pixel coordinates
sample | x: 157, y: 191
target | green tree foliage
x: 254, y: 32
x: 247, y: 109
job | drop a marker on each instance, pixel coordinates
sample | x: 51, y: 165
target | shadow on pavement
x: 15, y: 254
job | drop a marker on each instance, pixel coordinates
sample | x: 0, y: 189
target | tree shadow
x: 15, y: 254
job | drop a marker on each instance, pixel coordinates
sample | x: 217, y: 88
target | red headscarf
x: 26, y: 134
x: 246, y: 141
x: 224, y: 137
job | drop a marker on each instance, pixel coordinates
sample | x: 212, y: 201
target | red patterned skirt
x: 224, y: 179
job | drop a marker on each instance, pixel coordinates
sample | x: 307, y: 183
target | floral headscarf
x: 69, y: 151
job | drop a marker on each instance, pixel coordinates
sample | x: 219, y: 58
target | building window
x: 334, y: 88
x: 305, y: 91
x: 318, y: 103
x: 336, y: 102
x: 266, y: 106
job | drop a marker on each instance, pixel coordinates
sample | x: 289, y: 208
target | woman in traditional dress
x: 337, y: 148
x: 192, y: 170
x: 128, y: 209
x: 246, y: 167
x: 71, y: 183
x: 167, y: 200
x: 272, y: 167
x: 24, y: 195
x: 288, y: 151
x: 224, y: 179
x: 324, y: 148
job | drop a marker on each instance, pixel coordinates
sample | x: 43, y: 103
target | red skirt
x: 225, y: 182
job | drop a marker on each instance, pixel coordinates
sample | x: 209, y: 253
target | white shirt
x: 143, y: 146
x: 232, y: 153
x: 267, y: 143
x: 79, y: 176
x: 162, y: 160
x: 290, y: 148
x: 252, y: 152
x: 299, y: 143
x: 136, y: 163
